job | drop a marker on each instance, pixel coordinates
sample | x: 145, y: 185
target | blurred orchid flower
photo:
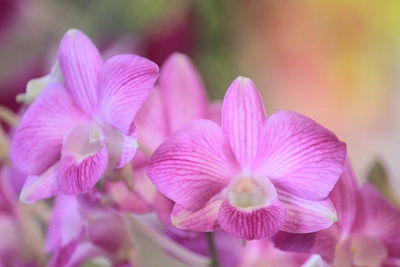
x: 75, y: 131
x: 254, y: 175
x: 81, y: 229
x: 178, y: 98
x: 366, y: 234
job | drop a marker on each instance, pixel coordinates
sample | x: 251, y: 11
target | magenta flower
x: 253, y: 175
x: 367, y: 233
x: 77, y: 130
x: 178, y: 98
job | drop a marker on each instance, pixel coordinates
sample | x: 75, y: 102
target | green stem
x: 212, y: 249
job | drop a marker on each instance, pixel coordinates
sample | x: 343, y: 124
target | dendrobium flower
x: 178, y: 98
x: 367, y: 233
x: 74, y: 132
x: 253, y: 175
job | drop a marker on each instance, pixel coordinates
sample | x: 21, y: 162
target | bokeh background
x: 337, y: 62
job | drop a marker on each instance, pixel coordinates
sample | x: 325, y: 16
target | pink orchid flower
x: 74, y: 132
x: 178, y: 98
x: 253, y: 175
x: 81, y: 228
x: 366, y: 234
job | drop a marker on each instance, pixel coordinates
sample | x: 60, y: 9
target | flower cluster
x: 146, y: 171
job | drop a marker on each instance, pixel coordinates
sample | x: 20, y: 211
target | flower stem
x: 212, y: 249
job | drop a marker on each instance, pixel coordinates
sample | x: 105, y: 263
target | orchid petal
x: 150, y: 123
x: 305, y: 216
x: 126, y: 82
x: 300, y: 156
x: 251, y: 224
x: 193, y: 164
x: 38, y: 139
x: 84, y: 160
x: 242, y: 119
x: 183, y: 92
x: 66, y: 223
x: 80, y: 64
x: 201, y: 220
x: 41, y: 186
x: 163, y: 207
x: 346, y: 198
x: 299, y: 243
x: 383, y: 219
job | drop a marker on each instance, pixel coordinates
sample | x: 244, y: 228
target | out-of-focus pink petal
x: 125, y: 83
x: 305, y: 216
x: 201, y: 220
x: 214, y: 112
x: 151, y: 123
x: 80, y: 64
x: 382, y: 219
x: 346, y: 199
x: 326, y: 241
x: 182, y: 91
x: 163, y: 207
x: 66, y: 222
x: 37, y: 141
x: 242, y: 119
x: 300, y: 156
x: 41, y: 186
x: 253, y: 223
x: 193, y: 164
x: 301, y: 243
x: 107, y: 230
x: 368, y: 251
x: 139, y: 199
x: 84, y: 159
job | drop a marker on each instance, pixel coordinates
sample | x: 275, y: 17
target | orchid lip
x: 250, y: 192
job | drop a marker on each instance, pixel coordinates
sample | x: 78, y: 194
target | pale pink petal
x: 251, y: 224
x: 151, y: 123
x: 193, y: 164
x: 300, y: 156
x: 305, y: 216
x: 84, y: 160
x: 80, y: 64
x: 346, y: 199
x: 326, y: 242
x: 368, y: 251
x: 125, y: 84
x: 66, y: 223
x: 242, y: 119
x: 41, y: 186
x: 182, y: 91
x: 201, y: 220
x: 382, y: 219
x: 37, y: 141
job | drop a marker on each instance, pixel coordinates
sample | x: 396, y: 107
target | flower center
x: 245, y: 192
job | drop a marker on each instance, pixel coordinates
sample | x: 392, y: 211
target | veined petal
x: 66, y: 223
x: 305, y: 216
x: 300, y: 156
x: 382, y: 219
x: 41, y: 186
x: 193, y: 164
x: 204, y: 219
x: 182, y: 91
x: 84, y: 160
x: 253, y: 223
x: 80, y: 64
x: 126, y: 82
x: 38, y: 139
x: 242, y: 119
